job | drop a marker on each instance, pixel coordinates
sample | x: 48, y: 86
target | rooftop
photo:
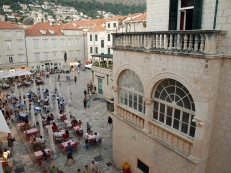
x: 8, y: 25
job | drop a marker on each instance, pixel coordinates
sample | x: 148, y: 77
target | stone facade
x: 205, y: 72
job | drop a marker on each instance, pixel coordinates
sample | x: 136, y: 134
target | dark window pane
x: 161, y: 119
x: 185, y: 117
x: 155, y: 115
x: 135, y: 97
x: 170, y: 89
x: 172, y: 97
x: 187, y: 103
x: 176, y: 124
x: 163, y: 95
x: 144, y: 109
x: 130, y: 103
x: 185, y: 90
x: 177, y: 98
x: 140, y: 99
x: 160, y: 88
x: 169, y: 121
x: 156, y: 106
x: 193, y: 107
x: 126, y: 101
x: 140, y: 107
x: 122, y: 100
x: 193, y: 123
x: 192, y: 131
x: 177, y: 114
x: 162, y: 108
x: 168, y: 100
x: 179, y: 92
x: 144, y: 168
x: 157, y: 94
x: 165, y: 83
x: 184, y: 128
x: 130, y: 95
x: 180, y: 103
x: 171, y: 82
x: 135, y: 105
x: 169, y: 111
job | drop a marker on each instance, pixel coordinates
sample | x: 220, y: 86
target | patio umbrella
x: 84, y: 125
x: 58, y: 88
x: 68, y: 116
x: 27, y: 104
x: 32, y: 115
x: 50, y: 99
x: 41, y: 91
x: 16, y: 90
x: 56, y: 109
x: 40, y: 125
x: 35, y: 91
x: 68, y: 94
x: 21, y: 95
x: 52, y: 146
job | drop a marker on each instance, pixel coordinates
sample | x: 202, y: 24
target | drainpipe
x: 26, y: 49
x: 215, y: 15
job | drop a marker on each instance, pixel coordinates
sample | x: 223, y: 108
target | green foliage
x: 2, y: 11
x: 22, y: 18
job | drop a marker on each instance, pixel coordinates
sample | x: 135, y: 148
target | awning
x: 20, y: 72
x: 3, y: 125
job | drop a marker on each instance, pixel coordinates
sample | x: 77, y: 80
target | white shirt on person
x: 97, y: 137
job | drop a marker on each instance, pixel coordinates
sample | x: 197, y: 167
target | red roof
x: 98, y: 28
x: 93, y: 22
x: 35, y: 30
x: 116, y: 18
x: 141, y: 17
x: 8, y: 25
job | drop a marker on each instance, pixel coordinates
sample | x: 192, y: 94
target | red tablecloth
x: 30, y: 132
x: 73, y: 142
x: 39, y: 153
x: 50, y: 125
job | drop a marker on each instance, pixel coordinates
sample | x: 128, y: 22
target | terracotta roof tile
x: 8, y: 25
x: 69, y: 26
x: 117, y: 17
x: 141, y: 17
x: 98, y: 28
x: 34, y: 30
x: 88, y: 23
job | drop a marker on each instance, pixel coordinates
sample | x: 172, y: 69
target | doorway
x: 100, y: 86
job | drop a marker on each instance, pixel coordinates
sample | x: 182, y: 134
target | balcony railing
x: 185, y: 42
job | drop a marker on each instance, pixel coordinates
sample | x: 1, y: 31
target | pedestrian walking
x: 10, y: 141
x: 75, y: 79
x: 109, y: 123
x: 85, y: 93
x: 86, y: 141
x: 88, y: 103
x: 94, y: 168
x: 78, y: 70
x: 86, y: 170
x: 54, y: 168
x: 69, y: 153
x: 85, y: 102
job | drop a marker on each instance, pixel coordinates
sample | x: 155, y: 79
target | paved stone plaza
x: 23, y: 155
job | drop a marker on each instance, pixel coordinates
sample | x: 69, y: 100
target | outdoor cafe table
x: 51, y: 125
x: 91, y: 137
x: 76, y: 128
x: 62, y: 131
x: 73, y: 142
x: 39, y: 153
x: 22, y: 125
x: 31, y: 132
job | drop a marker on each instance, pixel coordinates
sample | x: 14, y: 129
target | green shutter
x: 90, y: 37
x: 173, y: 14
x: 197, y: 14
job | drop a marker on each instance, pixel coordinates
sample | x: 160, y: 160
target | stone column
x: 116, y: 99
x: 148, y: 114
x: 200, y: 120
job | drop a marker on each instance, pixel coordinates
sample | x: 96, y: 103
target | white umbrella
x: 84, y: 125
x: 68, y: 94
x: 68, y: 117
x: 52, y: 146
x: 21, y: 95
x: 27, y: 104
x: 56, y: 109
x: 58, y: 88
x: 32, y: 115
x: 40, y: 125
x: 50, y: 99
x: 16, y: 90
x: 41, y: 91
x: 35, y: 91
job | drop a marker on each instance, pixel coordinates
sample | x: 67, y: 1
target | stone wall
x: 219, y: 152
x: 157, y: 15
x: 199, y: 75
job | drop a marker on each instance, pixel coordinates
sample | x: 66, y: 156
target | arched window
x: 132, y: 91
x: 174, y: 107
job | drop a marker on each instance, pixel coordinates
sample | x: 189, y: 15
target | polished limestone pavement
x: 23, y: 154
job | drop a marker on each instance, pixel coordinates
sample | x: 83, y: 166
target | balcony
x: 103, y: 61
x: 193, y: 42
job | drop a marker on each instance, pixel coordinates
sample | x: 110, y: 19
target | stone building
x: 47, y: 43
x: 172, y: 96
x: 13, y: 48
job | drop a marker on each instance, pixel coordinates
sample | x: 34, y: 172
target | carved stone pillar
x: 200, y: 120
x: 148, y: 114
x: 116, y: 99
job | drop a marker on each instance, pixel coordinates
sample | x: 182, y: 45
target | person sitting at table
x: 97, y: 137
x: 48, y: 119
x: 74, y: 122
x: 88, y: 127
x: 80, y: 123
x: 66, y: 134
x: 52, y: 117
x: 44, y: 154
x: 54, y: 127
x: 41, y: 140
x: 26, y: 124
x: 35, y: 144
x: 59, y: 136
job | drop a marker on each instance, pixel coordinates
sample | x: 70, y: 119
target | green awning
x: 103, y: 55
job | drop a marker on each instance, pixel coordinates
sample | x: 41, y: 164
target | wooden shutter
x: 197, y: 14
x: 173, y: 14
